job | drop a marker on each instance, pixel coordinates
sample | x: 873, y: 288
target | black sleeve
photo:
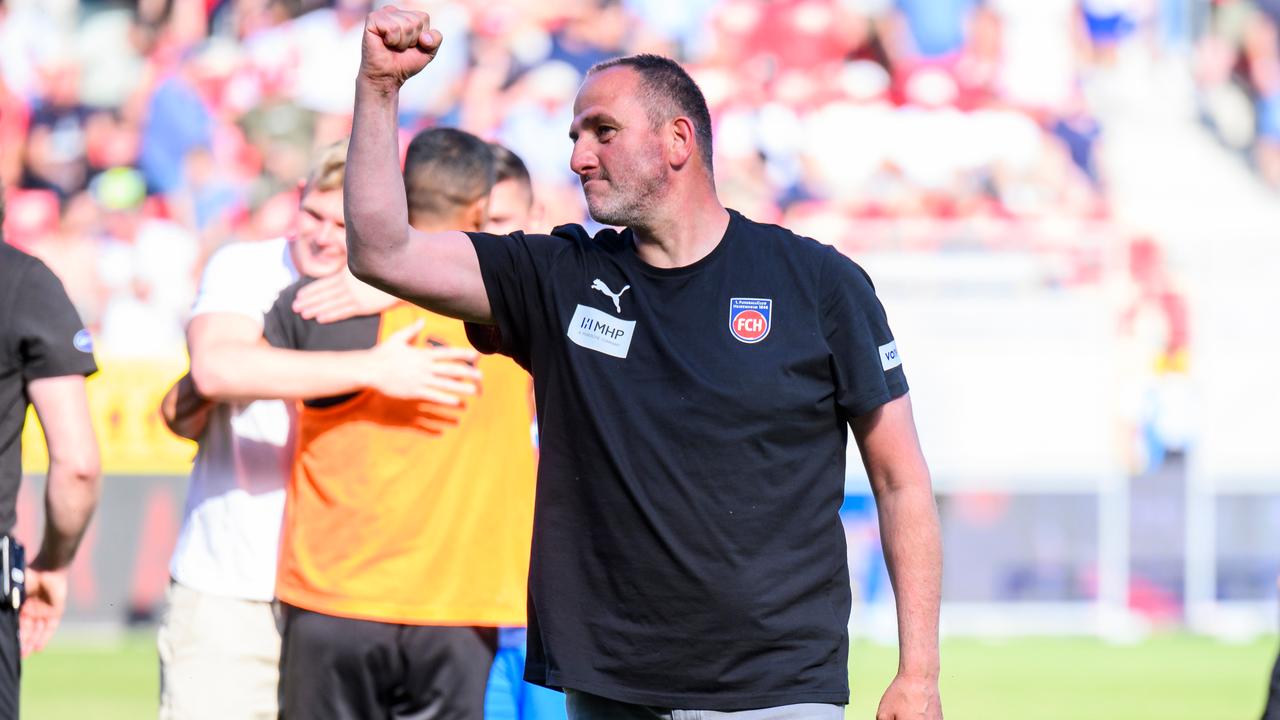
x: 484, y: 338
x: 864, y: 354
x: 514, y: 268
x: 282, y: 327
x: 52, y: 341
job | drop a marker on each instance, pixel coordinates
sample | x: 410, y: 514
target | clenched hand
x: 397, y: 45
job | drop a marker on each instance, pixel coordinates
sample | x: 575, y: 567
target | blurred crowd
x: 1238, y: 78
x: 138, y: 137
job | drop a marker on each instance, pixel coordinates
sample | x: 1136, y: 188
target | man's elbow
x: 88, y: 472
x: 906, y: 477
x: 360, y: 266
x: 83, y: 468
x: 210, y: 378
x: 369, y: 268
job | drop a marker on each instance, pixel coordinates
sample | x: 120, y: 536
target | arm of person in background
x: 338, y: 297
x: 437, y: 271
x: 230, y: 361
x: 71, y: 494
x: 183, y: 409
x: 912, y: 540
x: 331, y: 299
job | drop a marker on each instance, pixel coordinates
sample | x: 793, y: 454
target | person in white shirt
x: 219, y: 642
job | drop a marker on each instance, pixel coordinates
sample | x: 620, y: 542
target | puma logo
x: 598, y: 284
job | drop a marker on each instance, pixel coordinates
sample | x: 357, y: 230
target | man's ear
x: 475, y: 215
x: 682, y: 142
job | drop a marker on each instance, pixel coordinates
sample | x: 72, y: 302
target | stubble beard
x: 629, y: 203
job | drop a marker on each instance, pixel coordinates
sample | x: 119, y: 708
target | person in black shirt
x: 696, y: 375
x: 45, y: 355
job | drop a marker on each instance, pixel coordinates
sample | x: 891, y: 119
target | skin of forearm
x: 230, y: 373
x: 376, y: 210
x: 70, y: 499
x: 912, y: 540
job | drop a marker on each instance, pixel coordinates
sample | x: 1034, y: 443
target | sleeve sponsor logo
x: 889, y: 357
x: 83, y: 341
x: 749, y: 318
x: 597, y: 330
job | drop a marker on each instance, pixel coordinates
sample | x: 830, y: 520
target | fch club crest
x: 749, y: 318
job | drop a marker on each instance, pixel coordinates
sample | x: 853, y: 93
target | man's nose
x: 333, y: 233
x: 583, y: 160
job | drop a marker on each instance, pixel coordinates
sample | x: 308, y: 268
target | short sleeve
x: 484, y: 338
x: 52, y: 341
x: 513, y: 268
x: 281, y: 325
x: 867, y: 366
x: 228, y: 283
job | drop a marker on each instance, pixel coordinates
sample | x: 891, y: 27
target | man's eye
x: 606, y: 132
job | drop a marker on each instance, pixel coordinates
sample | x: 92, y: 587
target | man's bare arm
x: 912, y: 542
x: 230, y: 361
x: 437, y: 271
x: 71, y: 495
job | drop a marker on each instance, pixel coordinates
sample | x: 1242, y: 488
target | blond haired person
x: 219, y: 641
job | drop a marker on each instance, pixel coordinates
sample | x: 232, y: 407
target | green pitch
x: 1165, y: 678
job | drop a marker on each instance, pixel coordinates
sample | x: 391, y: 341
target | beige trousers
x: 219, y: 657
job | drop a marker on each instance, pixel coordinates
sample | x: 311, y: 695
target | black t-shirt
x: 284, y: 328
x: 688, y: 550
x: 41, y: 336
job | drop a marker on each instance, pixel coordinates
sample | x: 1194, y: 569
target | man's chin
x: 606, y: 216
x: 321, y: 269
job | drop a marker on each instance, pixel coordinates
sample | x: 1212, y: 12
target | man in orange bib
x: 407, y: 524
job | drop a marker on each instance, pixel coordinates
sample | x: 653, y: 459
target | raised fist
x: 397, y: 45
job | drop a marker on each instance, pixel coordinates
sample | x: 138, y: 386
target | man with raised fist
x: 696, y: 376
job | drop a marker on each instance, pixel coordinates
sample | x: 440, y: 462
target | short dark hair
x: 669, y: 92
x: 446, y: 169
x: 508, y: 166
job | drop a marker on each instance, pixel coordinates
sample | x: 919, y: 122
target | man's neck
x: 682, y: 233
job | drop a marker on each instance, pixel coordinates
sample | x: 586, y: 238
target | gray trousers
x: 585, y: 706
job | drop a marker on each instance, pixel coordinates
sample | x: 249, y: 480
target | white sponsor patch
x: 889, y: 358
x: 597, y: 330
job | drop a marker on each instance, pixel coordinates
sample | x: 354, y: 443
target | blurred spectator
x: 109, y: 50
x: 931, y: 30
x: 1109, y: 22
x: 680, y: 22
x: 147, y: 266
x: 55, y: 150
x: 1238, y: 74
x: 1039, y: 52
x: 595, y: 30
x: 25, y: 45
x: 541, y: 109
x: 327, y: 43
x: 827, y: 112
x: 68, y: 244
x: 31, y: 215
x: 178, y: 121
